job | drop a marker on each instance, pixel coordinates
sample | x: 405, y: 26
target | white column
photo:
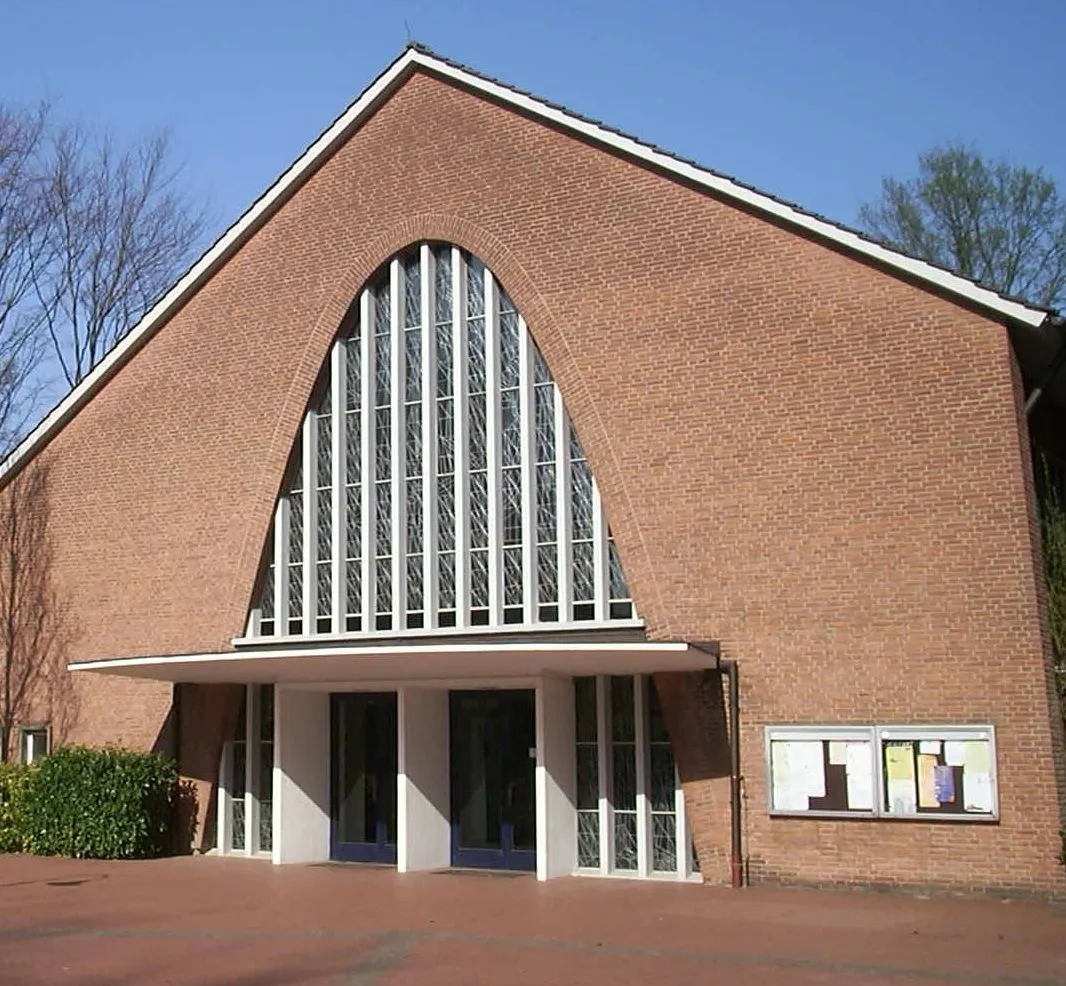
x: 301, y: 776
x: 423, y: 797
x: 556, y: 779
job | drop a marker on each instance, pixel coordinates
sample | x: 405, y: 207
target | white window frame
x: 686, y: 868
x: 601, y: 604
x: 34, y: 734
x: 252, y: 804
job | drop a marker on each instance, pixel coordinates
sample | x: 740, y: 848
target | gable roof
x: 416, y: 57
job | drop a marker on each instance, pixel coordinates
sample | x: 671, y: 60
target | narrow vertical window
x: 624, y: 773
x: 446, y: 616
x: 412, y: 430
x: 581, y: 526
x: 479, y: 438
x: 588, y: 773
x: 547, y: 504
x: 662, y: 781
x: 382, y: 460
x: 324, y: 507
x: 265, y: 773
x: 511, y: 459
x: 237, y: 781
x: 266, y: 589
x: 353, y: 477
x: 296, y: 543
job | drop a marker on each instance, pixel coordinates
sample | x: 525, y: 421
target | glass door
x: 493, y: 796
x: 364, y: 744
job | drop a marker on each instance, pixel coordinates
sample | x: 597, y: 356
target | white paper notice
x: 781, y: 764
x: 930, y: 746
x: 838, y: 752
x: 977, y: 792
x: 902, y: 797
x: 954, y: 753
x: 859, y: 777
x: 808, y: 768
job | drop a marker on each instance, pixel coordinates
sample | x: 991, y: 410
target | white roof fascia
x: 319, y: 151
x: 561, y: 647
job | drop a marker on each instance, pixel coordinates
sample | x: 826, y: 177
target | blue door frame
x: 363, y: 751
x: 493, y: 749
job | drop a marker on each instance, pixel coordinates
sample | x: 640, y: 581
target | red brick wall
x: 814, y: 462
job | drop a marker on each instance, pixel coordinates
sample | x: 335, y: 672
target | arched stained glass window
x: 437, y: 483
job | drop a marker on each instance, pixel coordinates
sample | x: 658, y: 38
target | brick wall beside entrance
x: 814, y: 462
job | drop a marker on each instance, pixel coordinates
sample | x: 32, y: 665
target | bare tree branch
x: 120, y: 231
x: 1002, y: 225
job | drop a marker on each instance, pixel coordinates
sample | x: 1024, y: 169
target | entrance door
x: 363, y: 815
x: 493, y: 759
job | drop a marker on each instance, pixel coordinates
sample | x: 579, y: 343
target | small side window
x: 33, y: 743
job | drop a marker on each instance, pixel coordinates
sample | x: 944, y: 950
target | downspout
x: 1052, y: 371
x: 736, y: 858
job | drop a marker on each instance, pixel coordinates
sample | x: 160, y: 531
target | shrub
x: 14, y: 783
x: 102, y: 804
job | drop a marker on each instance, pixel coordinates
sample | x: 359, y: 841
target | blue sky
x: 813, y: 100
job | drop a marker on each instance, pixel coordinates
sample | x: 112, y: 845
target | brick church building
x: 502, y: 491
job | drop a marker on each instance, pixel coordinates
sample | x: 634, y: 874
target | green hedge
x: 14, y: 783
x: 97, y: 804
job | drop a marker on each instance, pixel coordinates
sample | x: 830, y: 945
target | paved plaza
x: 231, y: 922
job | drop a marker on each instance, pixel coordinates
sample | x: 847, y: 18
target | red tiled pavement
x: 210, y: 921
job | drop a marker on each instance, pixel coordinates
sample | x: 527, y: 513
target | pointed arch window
x: 437, y: 483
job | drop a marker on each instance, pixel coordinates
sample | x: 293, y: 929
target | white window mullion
x: 603, y: 752
x: 398, y: 447
x: 251, y: 770
x: 600, y: 566
x: 429, y: 440
x: 682, y: 836
x: 462, y: 441
x: 338, y: 580
x: 493, y: 448
x: 224, y: 808
x: 528, y: 457
x: 562, y: 492
x: 310, y: 495
x: 281, y: 567
x: 640, y: 722
x: 368, y: 507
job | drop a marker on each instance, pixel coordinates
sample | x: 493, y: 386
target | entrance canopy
x: 399, y: 662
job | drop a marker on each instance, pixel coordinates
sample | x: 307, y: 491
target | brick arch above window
x: 437, y: 483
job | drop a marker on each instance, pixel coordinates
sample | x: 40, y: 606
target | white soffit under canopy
x: 400, y: 663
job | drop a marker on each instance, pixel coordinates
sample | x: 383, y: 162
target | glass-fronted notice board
x: 896, y: 772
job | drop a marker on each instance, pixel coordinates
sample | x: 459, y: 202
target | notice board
x: 940, y: 772
x: 892, y: 772
x: 824, y: 770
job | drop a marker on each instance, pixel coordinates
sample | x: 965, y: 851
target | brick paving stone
x: 212, y: 921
